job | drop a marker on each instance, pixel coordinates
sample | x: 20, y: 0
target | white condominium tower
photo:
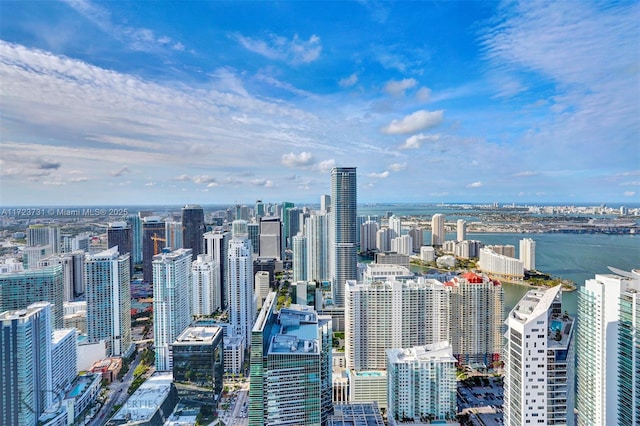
x: 395, y: 227
x: 608, y: 350
x: 343, y: 230
x: 437, y: 229
x: 316, y: 229
x: 393, y: 314
x: 528, y: 253
x: 108, y: 295
x: 421, y: 383
x: 205, y: 289
x: 539, y: 361
x: 171, y: 301
x: 299, y: 246
x: 242, y: 303
x: 461, y: 230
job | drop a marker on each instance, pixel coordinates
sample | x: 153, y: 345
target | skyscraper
x: 173, y: 233
x: 153, y: 241
x: 477, y: 305
x: 205, y: 288
x: 418, y: 238
x: 135, y: 222
x: 461, y: 230
x: 422, y: 382
x: 171, y: 302
x: 608, y: 349
x: 120, y: 234
x: 393, y: 314
x: 344, y: 206
x: 26, y: 385
x: 271, y: 237
x: 108, y: 292
x: 528, y: 253
x: 216, y: 244
x: 368, y: 232
x: 242, y: 304
x: 41, y: 235
x: 437, y: 230
x: 72, y: 272
x: 193, y: 228
x: 316, y: 230
x: 290, y: 366
x: 21, y: 288
x: 293, y: 224
x: 325, y: 203
x: 395, y: 227
x: 299, y: 245
x: 539, y: 361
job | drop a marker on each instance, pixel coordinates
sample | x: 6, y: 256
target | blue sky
x: 217, y: 102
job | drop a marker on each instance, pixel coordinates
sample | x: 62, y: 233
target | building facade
x: 437, y: 230
x: 205, y: 289
x: 171, y: 301
x: 343, y: 236
x: 193, y: 228
x: 108, y: 292
x: 242, y: 304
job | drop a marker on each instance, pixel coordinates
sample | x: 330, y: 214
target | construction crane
x: 155, y: 239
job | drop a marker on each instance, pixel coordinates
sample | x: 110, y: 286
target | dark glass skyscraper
x: 120, y: 234
x: 343, y: 229
x: 193, y: 228
x: 153, y: 241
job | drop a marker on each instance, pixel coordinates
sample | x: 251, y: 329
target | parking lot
x: 482, y: 399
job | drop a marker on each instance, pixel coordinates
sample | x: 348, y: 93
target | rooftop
x: 441, y: 351
x: 204, y: 335
x: 146, y: 400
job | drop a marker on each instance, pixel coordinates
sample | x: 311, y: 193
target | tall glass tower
x: 343, y: 230
x: 192, y: 229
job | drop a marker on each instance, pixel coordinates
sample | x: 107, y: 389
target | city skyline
x: 163, y: 103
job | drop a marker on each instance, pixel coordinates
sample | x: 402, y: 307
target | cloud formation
x: 477, y: 184
x: 349, y: 81
x: 382, y: 175
x: 297, y: 160
x: 419, y: 120
x: 397, y: 88
x: 416, y: 141
x: 294, y: 51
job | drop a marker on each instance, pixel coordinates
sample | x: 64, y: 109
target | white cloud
x: 477, y: 184
x: 149, y: 184
x: 183, y: 178
x: 294, y: 51
x: 525, y: 173
x: 396, y: 167
x: 121, y: 171
x: 78, y: 179
x: 349, y: 81
x: 419, y: 120
x: 297, y: 160
x: 326, y: 165
x: 423, y: 94
x: 263, y: 182
x: 629, y: 193
x: 203, y: 179
x: 416, y: 141
x: 397, y: 87
x: 212, y: 185
x: 142, y: 39
x: 382, y: 175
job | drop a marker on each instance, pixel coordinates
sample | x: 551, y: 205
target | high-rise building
x: 26, y: 382
x: 64, y: 357
x: 198, y: 365
x: 108, y: 293
x: 261, y: 287
x: 205, y: 289
x: 193, y: 228
x: 242, y: 304
x: 344, y: 199
x: 171, y: 301
x: 608, y: 350
x: 42, y: 235
x: 216, y: 244
x: 437, y: 230
x: 316, y: 230
x: 539, y: 361
x: 271, y: 237
x: 421, y: 383
x: 290, y: 366
x: 368, y: 231
x: 254, y: 236
x: 21, y: 288
x: 528, y: 253
x: 135, y: 222
x: 258, y: 211
x: 299, y: 245
x: 393, y: 314
x: 325, y: 203
x: 120, y: 234
x: 461, y: 230
x: 383, y: 242
x: 72, y: 272
x: 31, y: 256
x: 402, y: 245
x: 477, y: 305
x: 293, y: 224
x: 173, y: 233
x: 497, y: 264
x: 417, y: 235
x: 395, y: 227
x: 153, y: 241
